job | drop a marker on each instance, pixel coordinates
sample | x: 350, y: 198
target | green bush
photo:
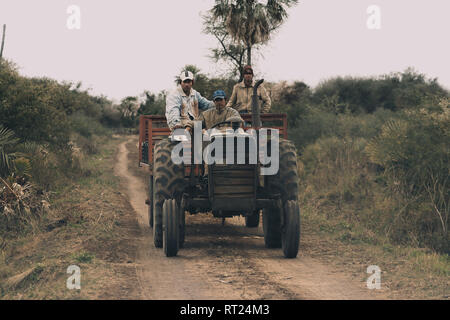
x: 86, y: 125
x: 43, y: 110
x: 386, y: 171
x: 395, y: 92
x: 415, y: 154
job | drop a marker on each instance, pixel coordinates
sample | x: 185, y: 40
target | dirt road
x: 227, y: 262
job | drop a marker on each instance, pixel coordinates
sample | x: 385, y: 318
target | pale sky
x: 126, y: 47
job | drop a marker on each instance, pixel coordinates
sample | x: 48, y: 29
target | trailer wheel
x: 252, y: 221
x: 171, y: 227
x: 290, y: 234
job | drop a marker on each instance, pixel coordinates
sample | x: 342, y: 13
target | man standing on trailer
x: 241, y: 98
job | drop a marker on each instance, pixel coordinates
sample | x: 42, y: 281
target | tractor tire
x: 252, y: 221
x: 171, y: 227
x: 272, y: 228
x: 150, y: 203
x: 182, y: 223
x: 284, y: 183
x: 168, y: 183
x: 290, y: 234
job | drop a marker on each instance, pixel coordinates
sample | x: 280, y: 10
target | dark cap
x: 247, y: 68
x: 219, y: 94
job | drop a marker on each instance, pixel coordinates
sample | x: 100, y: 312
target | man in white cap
x: 183, y: 104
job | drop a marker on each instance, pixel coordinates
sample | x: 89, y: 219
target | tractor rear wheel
x: 272, y: 228
x: 284, y: 183
x: 171, y: 228
x: 168, y: 183
x: 150, y: 202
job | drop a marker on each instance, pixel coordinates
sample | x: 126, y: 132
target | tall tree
x: 249, y: 22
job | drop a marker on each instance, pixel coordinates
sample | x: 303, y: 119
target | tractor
x: 226, y: 188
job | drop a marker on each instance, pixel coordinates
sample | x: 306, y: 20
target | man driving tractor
x: 220, y: 113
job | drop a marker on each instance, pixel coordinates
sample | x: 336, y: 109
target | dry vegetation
x: 88, y: 224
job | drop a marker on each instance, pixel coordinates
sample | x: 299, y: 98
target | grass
x: 90, y: 237
x: 348, y: 243
x: 344, y: 204
x: 83, y: 257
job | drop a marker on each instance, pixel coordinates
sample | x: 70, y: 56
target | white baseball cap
x: 186, y: 75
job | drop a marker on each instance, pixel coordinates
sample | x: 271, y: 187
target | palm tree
x: 251, y: 22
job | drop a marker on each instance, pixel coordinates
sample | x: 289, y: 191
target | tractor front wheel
x: 290, y: 233
x: 182, y: 224
x: 171, y: 228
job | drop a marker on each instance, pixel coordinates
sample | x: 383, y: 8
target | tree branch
x: 225, y: 50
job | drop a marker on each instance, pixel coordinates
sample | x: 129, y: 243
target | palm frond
x: 7, y: 142
x: 7, y: 137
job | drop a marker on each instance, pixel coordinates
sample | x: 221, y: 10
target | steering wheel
x: 230, y: 120
x: 220, y: 123
x: 227, y: 122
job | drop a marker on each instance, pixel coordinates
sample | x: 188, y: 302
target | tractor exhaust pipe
x: 256, y: 118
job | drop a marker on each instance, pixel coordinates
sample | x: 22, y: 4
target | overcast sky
x: 126, y: 47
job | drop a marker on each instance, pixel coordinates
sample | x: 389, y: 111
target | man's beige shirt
x: 211, y: 116
x: 241, y: 98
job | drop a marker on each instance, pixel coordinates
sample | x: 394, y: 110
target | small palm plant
x: 8, y: 142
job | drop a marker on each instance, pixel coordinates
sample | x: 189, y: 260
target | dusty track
x: 226, y: 262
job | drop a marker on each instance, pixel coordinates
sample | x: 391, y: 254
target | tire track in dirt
x: 159, y: 277
x: 225, y: 262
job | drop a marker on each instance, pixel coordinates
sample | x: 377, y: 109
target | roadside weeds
x: 92, y: 226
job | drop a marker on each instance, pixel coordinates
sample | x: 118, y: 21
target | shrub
x: 86, y: 125
x: 415, y: 155
x: 396, y: 91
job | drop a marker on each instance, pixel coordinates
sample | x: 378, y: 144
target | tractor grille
x: 234, y: 181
